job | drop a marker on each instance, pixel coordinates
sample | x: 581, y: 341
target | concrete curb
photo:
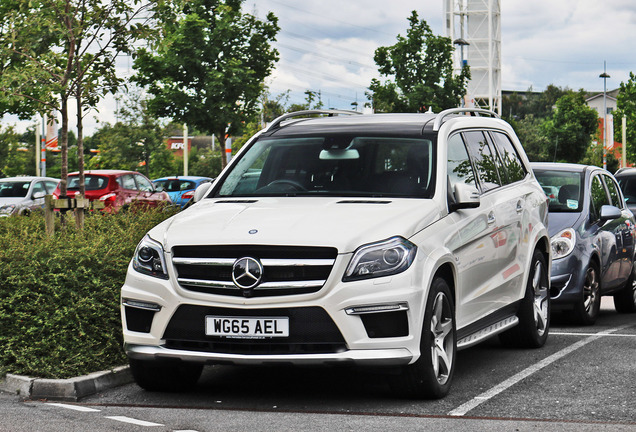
x: 70, y: 390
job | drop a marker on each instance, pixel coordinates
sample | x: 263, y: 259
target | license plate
x: 247, y: 327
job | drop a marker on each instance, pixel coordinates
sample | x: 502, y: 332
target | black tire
x: 165, y: 376
x: 431, y: 375
x: 534, y: 312
x: 586, y: 310
x: 625, y: 299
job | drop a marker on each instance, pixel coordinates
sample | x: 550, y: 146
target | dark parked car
x: 180, y: 188
x: 592, y: 234
x: 626, y: 178
x: 118, y: 189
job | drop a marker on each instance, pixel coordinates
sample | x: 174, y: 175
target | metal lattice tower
x: 474, y: 26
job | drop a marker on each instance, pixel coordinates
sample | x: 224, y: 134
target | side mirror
x: 39, y: 194
x: 201, y: 191
x: 466, y: 196
x: 609, y: 212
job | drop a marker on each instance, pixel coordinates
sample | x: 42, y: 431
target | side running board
x: 485, y: 333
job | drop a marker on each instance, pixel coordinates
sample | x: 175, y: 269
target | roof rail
x: 276, y: 123
x: 473, y: 111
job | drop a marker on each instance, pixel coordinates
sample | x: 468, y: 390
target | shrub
x: 59, y: 296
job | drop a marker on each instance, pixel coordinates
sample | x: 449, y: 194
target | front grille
x: 311, y: 331
x: 286, y: 269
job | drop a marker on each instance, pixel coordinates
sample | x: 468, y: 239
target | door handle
x: 491, y: 218
x: 519, y: 206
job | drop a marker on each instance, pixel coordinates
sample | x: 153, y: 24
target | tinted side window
x: 484, y: 159
x: 511, y: 160
x: 613, y: 191
x: 459, y: 169
x: 599, y: 198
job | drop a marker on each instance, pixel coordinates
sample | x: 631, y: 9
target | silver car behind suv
x: 24, y: 194
x: 386, y: 239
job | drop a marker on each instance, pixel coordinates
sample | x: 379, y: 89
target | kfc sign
x: 175, y: 145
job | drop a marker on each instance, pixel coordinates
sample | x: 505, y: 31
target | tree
x: 422, y: 68
x: 208, y: 68
x: 13, y: 161
x: 53, y: 50
x: 134, y: 143
x: 626, y: 106
x: 570, y: 129
x: 531, y: 133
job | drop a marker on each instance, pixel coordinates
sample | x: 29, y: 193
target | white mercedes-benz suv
x: 381, y: 239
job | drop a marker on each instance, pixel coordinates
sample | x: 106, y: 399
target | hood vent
x: 245, y: 201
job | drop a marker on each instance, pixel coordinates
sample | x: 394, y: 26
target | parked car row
x: 117, y: 189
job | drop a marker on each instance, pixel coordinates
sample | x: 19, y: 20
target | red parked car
x: 116, y: 188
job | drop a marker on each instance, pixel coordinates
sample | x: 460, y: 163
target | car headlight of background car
x: 149, y: 259
x: 7, y: 210
x: 384, y: 258
x: 563, y: 243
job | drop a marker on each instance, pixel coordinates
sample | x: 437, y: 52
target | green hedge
x: 59, y: 296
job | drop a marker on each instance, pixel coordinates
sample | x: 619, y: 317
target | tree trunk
x: 64, y: 144
x: 80, y: 144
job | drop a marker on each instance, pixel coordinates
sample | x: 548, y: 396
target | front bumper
x: 387, y: 357
x: 323, y: 328
x: 566, y: 281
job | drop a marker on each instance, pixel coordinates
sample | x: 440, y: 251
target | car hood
x: 557, y: 222
x: 11, y: 200
x: 336, y: 222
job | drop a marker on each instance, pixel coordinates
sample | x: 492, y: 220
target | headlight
x: 149, y: 258
x: 7, y: 210
x: 563, y: 243
x: 384, y: 258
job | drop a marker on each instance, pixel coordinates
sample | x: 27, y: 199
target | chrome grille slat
x: 265, y: 285
x: 279, y: 262
x: 204, y: 261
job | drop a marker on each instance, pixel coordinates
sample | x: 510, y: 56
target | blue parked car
x: 180, y: 188
x: 592, y: 234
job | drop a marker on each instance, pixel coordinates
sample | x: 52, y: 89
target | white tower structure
x: 474, y: 26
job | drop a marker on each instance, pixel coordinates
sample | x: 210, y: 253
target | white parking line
x: 74, y: 407
x: 133, y: 421
x: 487, y: 395
x: 590, y: 334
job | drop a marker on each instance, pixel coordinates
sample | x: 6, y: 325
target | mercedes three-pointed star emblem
x: 247, y: 272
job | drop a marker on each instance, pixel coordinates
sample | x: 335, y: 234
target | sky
x: 327, y: 46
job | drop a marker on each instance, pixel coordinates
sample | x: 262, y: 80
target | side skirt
x: 487, y: 327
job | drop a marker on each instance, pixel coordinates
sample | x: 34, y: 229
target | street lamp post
x: 461, y: 42
x: 605, y: 76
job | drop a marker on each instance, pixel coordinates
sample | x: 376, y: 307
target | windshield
x: 563, y: 189
x: 17, y: 189
x: 333, y: 166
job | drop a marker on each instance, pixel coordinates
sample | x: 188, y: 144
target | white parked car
x: 382, y: 239
x: 24, y: 194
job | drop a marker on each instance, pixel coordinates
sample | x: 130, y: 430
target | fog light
x: 360, y: 310
x: 137, y: 304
